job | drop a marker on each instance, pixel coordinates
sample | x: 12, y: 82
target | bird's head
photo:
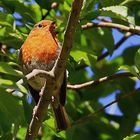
x: 46, y: 25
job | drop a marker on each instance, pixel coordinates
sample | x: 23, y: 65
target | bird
x: 40, y: 51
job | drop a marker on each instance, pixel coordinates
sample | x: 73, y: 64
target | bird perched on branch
x: 40, y: 51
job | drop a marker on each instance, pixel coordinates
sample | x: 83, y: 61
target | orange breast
x: 40, y: 46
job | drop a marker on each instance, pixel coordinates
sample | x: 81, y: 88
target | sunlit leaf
x: 133, y: 137
x: 120, y: 12
x: 131, y: 69
x: 7, y: 69
x: 86, y: 57
x: 9, y: 106
x: 6, y: 19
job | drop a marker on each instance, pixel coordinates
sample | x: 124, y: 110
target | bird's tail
x: 61, y: 118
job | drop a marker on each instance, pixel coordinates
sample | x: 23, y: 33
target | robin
x: 40, y: 51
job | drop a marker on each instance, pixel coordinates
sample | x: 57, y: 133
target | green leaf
x: 98, y: 38
x: 29, y: 12
x: 6, y: 83
x: 21, y: 89
x: 106, y: 3
x: 26, y: 10
x: 91, y: 13
x: 21, y: 133
x: 9, y: 86
x: 88, y: 4
x: 11, y: 37
x: 129, y: 1
x: 106, y: 34
x: 83, y: 56
x: 67, y: 6
x: 7, y: 69
x: 119, y: 12
x: 93, y: 128
x: 104, y: 67
x: 6, y: 19
x: 50, y: 124
x: 28, y: 110
x: 134, y: 137
x: 131, y: 69
x: 129, y: 53
x: 74, y: 74
x: 127, y: 113
x: 45, y: 4
x: 9, y: 106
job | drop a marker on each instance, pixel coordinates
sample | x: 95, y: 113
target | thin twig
x: 103, y: 19
x: 81, y: 120
x: 69, y: 34
x: 76, y: 86
x: 46, y: 14
x: 135, y: 30
x: 54, y: 5
x: 99, y: 81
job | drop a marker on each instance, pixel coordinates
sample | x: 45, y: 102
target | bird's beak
x: 53, y: 22
x: 53, y: 27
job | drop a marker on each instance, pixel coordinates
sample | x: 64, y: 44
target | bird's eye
x: 39, y: 26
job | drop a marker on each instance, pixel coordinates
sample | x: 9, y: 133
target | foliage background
x: 17, y: 18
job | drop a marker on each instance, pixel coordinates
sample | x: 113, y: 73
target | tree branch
x: 69, y: 86
x: 38, y: 117
x: 68, y: 37
x: 103, y: 19
x: 135, y: 30
x: 81, y: 120
x: 99, y: 81
x: 56, y: 72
